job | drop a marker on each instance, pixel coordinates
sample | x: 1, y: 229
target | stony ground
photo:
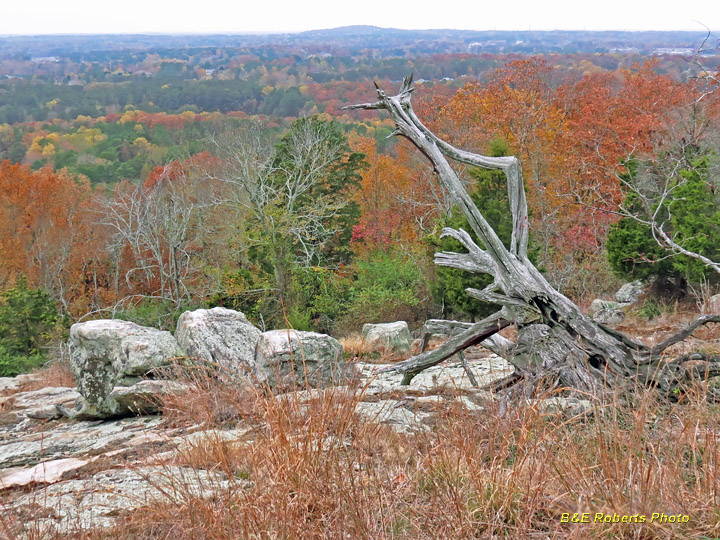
x: 63, y: 475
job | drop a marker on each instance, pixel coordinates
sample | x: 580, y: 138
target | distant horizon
x: 700, y: 30
x: 186, y: 17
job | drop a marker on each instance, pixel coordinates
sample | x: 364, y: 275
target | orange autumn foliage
x: 397, y: 199
x: 47, y: 234
x: 571, y: 137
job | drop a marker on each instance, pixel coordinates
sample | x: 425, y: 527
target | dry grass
x: 318, y: 471
x: 356, y: 349
x: 55, y: 373
x: 309, y: 468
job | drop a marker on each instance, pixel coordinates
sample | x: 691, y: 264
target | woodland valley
x: 157, y: 178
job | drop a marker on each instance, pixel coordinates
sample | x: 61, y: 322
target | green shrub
x: 650, y: 310
x: 319, y: 298
x: 386, y: 287
x: 15, y: 364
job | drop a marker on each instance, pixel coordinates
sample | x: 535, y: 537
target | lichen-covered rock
x: 222, y: 337
x: 599, y: 305
x: 609, y: 316
x: 713, y: 305
x: 106, y: 354
x: 295, y: 359
x: 630, y: 292
x: 44, y: 403
x: 394, y: 336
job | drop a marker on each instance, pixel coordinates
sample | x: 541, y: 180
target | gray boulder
x: 295, y: 359
x: 609, y: 316
x: 394, y: 336
x: 713, y: 305
x: 599, y: 305
x: 223, y: 337
x: 630, y: 292
x: 106, y: 354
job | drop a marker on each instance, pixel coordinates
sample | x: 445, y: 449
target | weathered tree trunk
x: 557, y: 345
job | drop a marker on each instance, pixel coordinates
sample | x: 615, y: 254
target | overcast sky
x: 226, y: 16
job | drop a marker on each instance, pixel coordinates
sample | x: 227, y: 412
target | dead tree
x: 557, y: 345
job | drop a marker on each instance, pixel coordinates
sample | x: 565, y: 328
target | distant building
x: 46, y: 59
x: 673, y: 51
x: 625, y: 50
x: 494, y: 44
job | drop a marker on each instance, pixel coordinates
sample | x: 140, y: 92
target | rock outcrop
x: 610, y: 312
x: 63, y: 477
x: 107, y: 356
x: 630, y: 292
x: 222, y: 337
x: 295, y: 359
x: 393, y: 337
x: 609, y: 316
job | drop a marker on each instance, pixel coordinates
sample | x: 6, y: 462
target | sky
x: 241, y: 16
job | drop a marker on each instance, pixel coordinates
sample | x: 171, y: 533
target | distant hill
x: 353, y: 39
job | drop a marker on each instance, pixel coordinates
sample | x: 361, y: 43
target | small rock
x: 609, y: 316
x: 598, y: 305
x: 713, y: 305
x: 295, y: 359
x: 630, y: 292
x: 8, y: 384
x: 442, y: 327
x: 394, y: 336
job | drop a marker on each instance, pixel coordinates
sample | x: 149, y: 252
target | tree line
x: 316, y: 224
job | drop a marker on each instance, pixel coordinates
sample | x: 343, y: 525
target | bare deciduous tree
x: 283, y: 192
x: 162, y: 225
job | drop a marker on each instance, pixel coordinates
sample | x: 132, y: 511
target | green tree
x: 293, y: 198
x: 26, y: 318
x: 691, y: 217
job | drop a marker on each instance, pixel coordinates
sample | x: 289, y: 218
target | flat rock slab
x: 449, y: 375
x: 45, y: 403
x: 47, y: 472
x: 21, y: 447
x: 207, y: 439
x: 76, y: 505
x: 395, y: 414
